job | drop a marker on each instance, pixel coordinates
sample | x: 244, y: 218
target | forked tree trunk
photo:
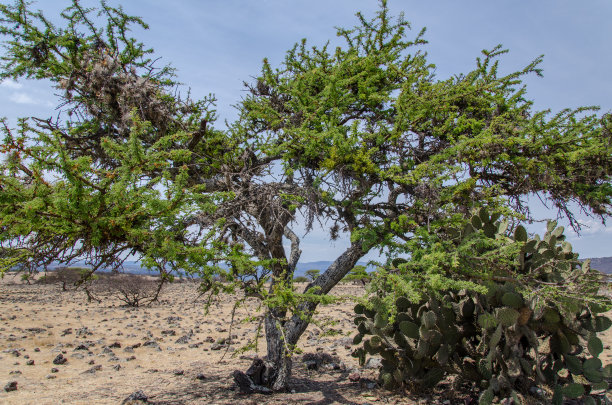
x: 282, y: 338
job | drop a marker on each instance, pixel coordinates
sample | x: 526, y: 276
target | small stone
x: 50, y: 376
x: 37, y: 349
x: 60, y: 359
x: 15, y: 372
x: 54, y: 370
x: 115, y: 345
x: 373, y: 362
x: 11, y: 386
x: 93, y: 369
x: 30, y: 363
x: 200, y: 377
x: 354, y: 377
x: 178, y: 372
x: 117, y: 367
x: 183, y: 339
x: 137, y: 396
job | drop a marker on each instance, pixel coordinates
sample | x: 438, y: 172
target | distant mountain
x: 603, y: 264
x: 134, y: 267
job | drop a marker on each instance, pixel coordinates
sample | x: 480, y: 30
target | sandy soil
x: 167, y: 351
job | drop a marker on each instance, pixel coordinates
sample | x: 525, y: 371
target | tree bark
x: 281, y: 337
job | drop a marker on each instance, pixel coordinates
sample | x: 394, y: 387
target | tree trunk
x: 281, y: 337
x: 278, y: 354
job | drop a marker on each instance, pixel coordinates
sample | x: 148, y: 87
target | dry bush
x: 134, y: 290
x: 66, y: 276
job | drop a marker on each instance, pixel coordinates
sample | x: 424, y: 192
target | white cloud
x: 589, y: 226
x: 23, y: 98
x: 10, y: 84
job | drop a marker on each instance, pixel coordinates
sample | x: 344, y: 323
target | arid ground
x: 172, y: 351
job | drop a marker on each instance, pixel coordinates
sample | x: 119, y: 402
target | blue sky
x: 216, y: 45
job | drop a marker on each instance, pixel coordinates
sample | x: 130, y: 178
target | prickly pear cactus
x: 510, y: 337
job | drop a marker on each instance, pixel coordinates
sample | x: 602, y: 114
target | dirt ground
x: 172, y: 351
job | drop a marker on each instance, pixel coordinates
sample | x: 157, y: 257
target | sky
x: 217, y: 45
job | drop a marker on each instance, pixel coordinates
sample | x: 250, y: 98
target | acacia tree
x: 363, y: 140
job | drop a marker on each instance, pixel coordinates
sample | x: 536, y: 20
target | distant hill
x: 133, y: 267
x: 603, y: 264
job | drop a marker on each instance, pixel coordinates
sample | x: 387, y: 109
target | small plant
x: 312, y: 274
x: 497, y: 331
x: 358, y: 274
x: 27, y: 277
x: 133, y: 290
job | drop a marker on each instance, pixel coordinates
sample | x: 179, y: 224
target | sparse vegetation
x: 364, y: 139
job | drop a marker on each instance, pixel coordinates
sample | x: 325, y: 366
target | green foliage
x: 534, y: 320
x: 312, y: 274
x: 363, y: 138
x: 358, y: 273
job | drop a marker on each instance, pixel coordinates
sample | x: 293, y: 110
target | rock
x: 81, y: 347
x: 107, y: 350
x: 311, y: 365
x: 117, y: 367
x: 246, y: 385
x: 314, y: 361
x: 354, y: 377
x: 168, y: 332
x: 50, y: 376
x: 92, y: 370
x: 15, y: 372
x: 178, y: 372
x: 216, y: 346
x: 135, y: 398
x: 373, y: 362
x: 11, y: 386
x: 67, y: 332
x: 200, y: 377
x: 36, y: 330
x: 115, y: 345
x: 30, y: 363
x: 150, y: 343
x: 13, y: 352
x: 83, y: 332
x: 537, y: 392
x: 183, y: 339
x: 60, y: 359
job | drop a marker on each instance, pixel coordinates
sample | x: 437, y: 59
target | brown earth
x: 113, y: 350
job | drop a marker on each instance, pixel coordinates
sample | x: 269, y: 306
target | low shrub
x: 132, y: 289
x: 530, y: 318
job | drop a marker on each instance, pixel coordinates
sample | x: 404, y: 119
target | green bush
x: 300, y: 279
x: 531, y: 319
